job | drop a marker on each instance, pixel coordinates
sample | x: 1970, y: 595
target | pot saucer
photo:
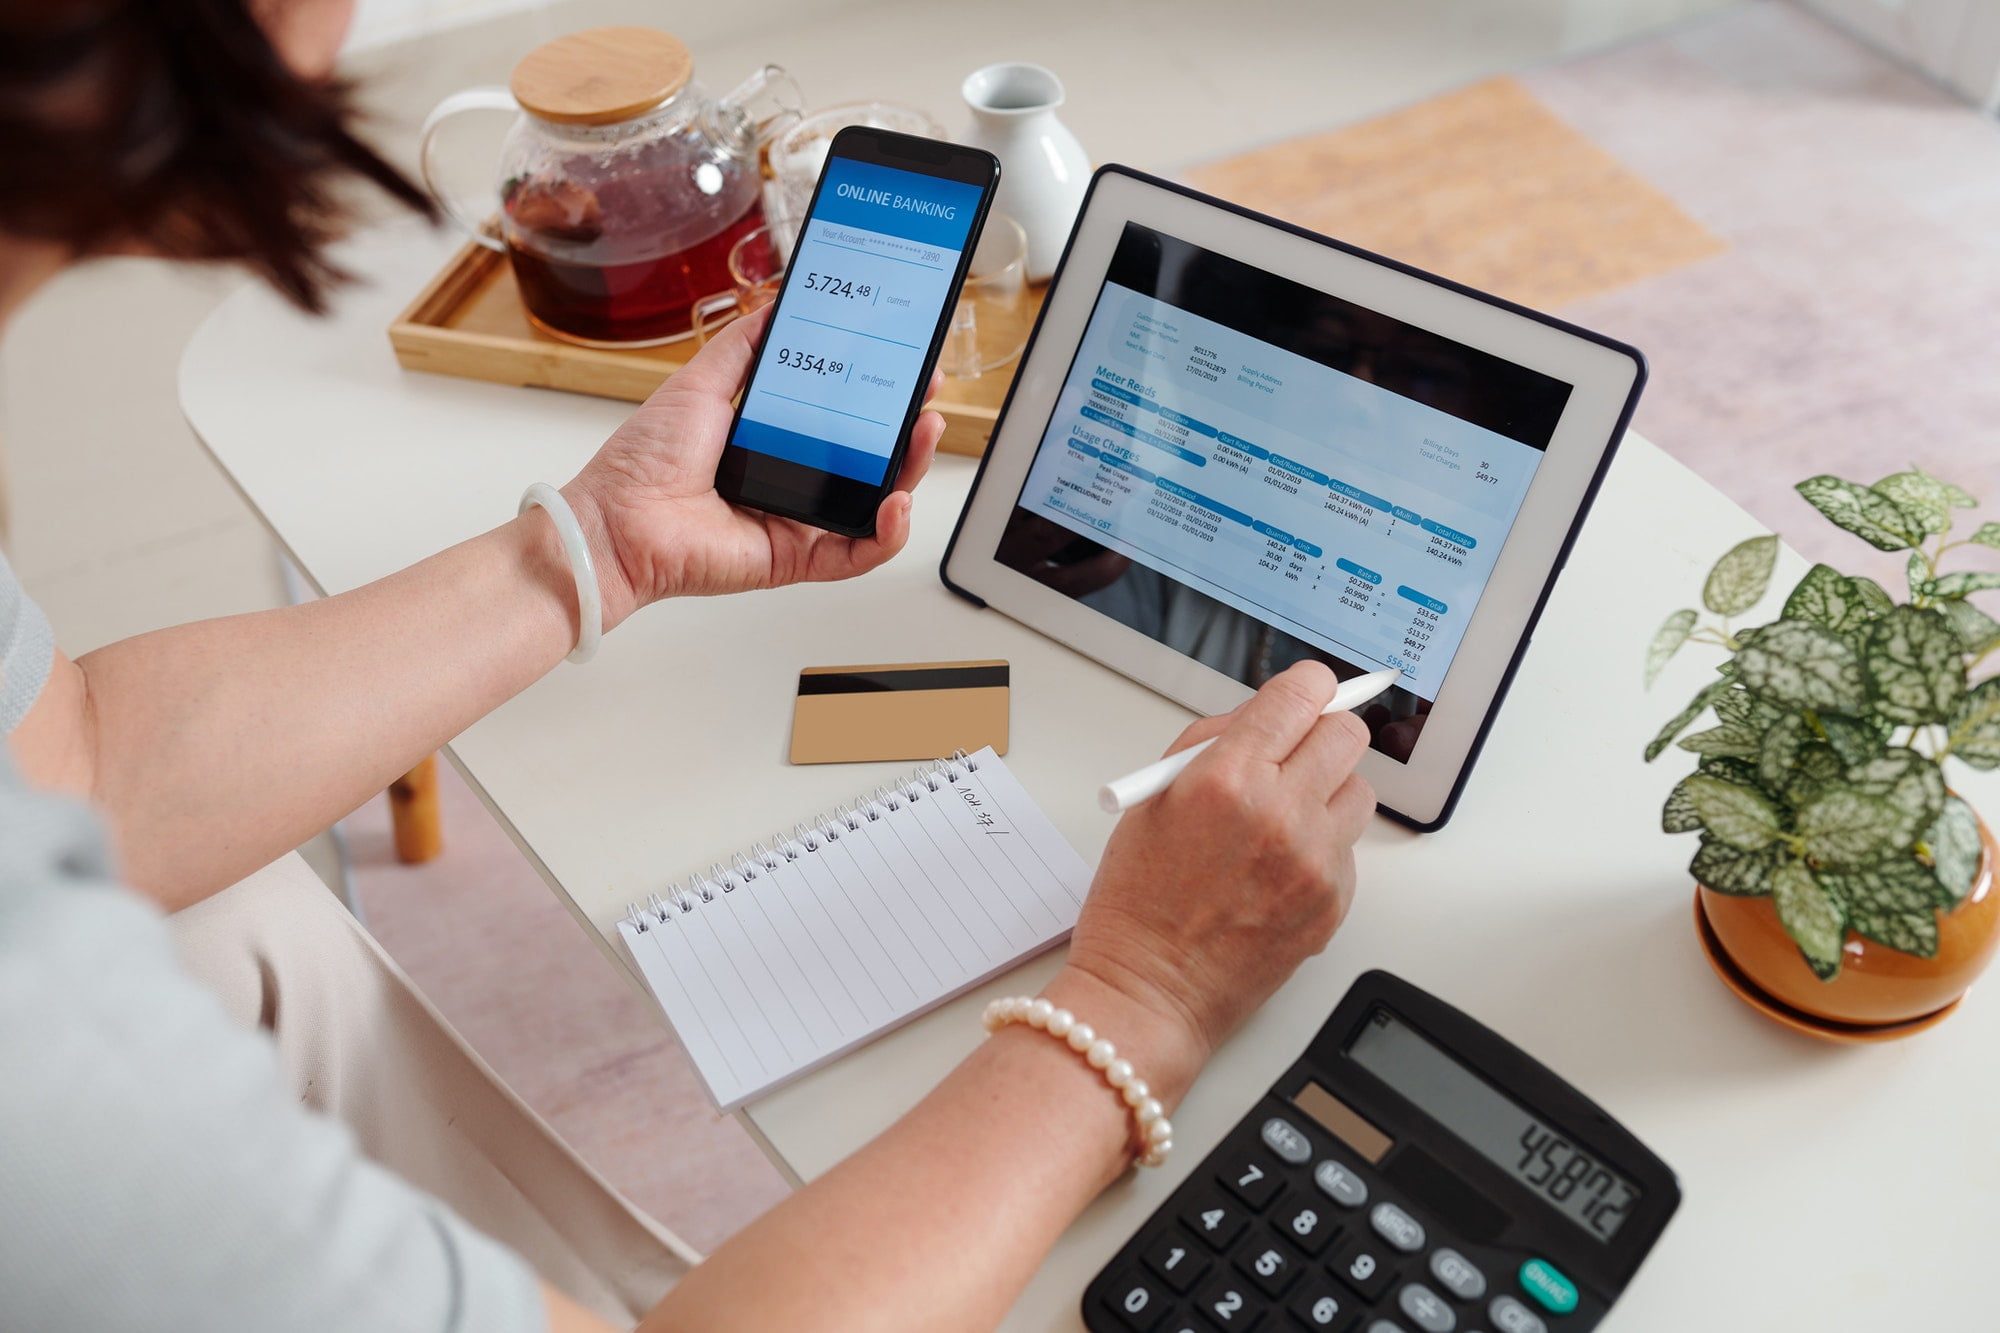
x: 1826, y: 1029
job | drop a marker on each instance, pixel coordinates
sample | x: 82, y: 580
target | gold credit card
x: 916, y: 710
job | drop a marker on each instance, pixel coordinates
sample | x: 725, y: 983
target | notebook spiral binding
x: 804, y: 838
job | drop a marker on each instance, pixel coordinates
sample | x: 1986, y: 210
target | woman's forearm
x: 216, y: 747
x: 940, y: 1222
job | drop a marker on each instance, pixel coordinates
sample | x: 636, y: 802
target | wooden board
x: 469, y: 322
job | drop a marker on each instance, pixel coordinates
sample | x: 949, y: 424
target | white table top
x: 1824, y: 1187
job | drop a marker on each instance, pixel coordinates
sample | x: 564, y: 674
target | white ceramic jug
x: 1043, y: 169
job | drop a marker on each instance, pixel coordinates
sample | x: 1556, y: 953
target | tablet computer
x: 1233, y: 444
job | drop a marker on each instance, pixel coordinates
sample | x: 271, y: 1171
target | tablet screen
x: 1253, y: 471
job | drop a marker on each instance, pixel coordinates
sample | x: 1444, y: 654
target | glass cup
x: 755, y: 271
x: 799, y: 154
x: 990, y: 325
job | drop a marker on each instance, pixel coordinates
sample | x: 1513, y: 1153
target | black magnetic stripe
x: 924, y: 678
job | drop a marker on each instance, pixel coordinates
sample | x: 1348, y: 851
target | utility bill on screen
x: 1356, y: 518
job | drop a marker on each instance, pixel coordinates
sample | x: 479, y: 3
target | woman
x: 155, y: 1170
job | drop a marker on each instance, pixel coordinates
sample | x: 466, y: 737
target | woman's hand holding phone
x: 657, y: 526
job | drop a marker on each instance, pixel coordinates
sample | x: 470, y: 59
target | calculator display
x: 1541, y: 1157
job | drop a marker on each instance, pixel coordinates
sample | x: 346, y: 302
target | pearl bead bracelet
x: 1155, y: 1131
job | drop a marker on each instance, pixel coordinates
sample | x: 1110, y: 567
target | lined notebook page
x: 799, y: 951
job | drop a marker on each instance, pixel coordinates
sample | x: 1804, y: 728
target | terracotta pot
x: 1878, y: 987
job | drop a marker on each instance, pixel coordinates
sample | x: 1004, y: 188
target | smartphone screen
x: 839, y: 380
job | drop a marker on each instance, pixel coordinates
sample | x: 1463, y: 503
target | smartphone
x: 839, y: 379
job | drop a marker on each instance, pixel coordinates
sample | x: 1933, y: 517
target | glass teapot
x: 623, y: 184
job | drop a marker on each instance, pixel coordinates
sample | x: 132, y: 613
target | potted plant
x: 1843, y: 887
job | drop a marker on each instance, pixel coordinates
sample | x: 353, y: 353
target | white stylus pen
x: 1121, y: 794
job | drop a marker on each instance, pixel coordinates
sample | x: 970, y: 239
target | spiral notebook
x: 795, y: 951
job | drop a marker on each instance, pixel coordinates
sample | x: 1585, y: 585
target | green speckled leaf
x: 1909, y: 781
x: 1920, y: 497
x: 1739, y: 816
x: 1977, y: 631
x: 1874, y: 601
x: 1914, y: 665
x: 1668, y: 641
x: 1811, y: 917
x: 1731, y: 739
x: 1899, y: 884
x: 1799, y: 665
x: 1778, y: 748
x: 1746, y: 709
x: 1730, y: 769
x: 1953, y: 843
x: 1893, y: 903
x: 1988, y: 535
x: 1918, y: 575
x: 1964, y: 582
x: 1679, y: 814
x: 1738, y: 706
x: 1855, y: 740
x: 1740, y: 578
x: 1843, y: 826
x: 1907, y: 932
x: 1679, y: 722
x: 1869, y: 515
x: 1732, y: 870
x: 1827, y: 598
x: 1816, y: 768
x: 1974, y: 729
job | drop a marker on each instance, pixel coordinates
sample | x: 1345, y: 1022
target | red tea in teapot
x: 623, y: 183
x: 623, y: 260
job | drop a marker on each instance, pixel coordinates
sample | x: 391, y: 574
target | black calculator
x: 1412, y: 1173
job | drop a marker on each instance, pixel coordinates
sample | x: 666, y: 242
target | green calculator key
x: 1556, y: 1293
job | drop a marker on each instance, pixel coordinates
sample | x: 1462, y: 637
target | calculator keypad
x: 1510, y: 1316
x: 1268, y: 1264
x: 1139, y: 1304
x: 1426, y: 1309
x: 1217, y: 1220
x: 1397, y: 1227
x: 1320, y: 1304
x: 1306, y: 1221
x: 1284, y: 1138
x: 1457, y: 1275
x: 1340, y: 1184
x: 1363, y: 1265
x: 1251, y: 1179
x: 1176, y: 1259
x: 1229, y: 1303
x: 1278, y: 1234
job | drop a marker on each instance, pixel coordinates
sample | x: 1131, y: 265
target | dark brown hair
x: 175, y: 126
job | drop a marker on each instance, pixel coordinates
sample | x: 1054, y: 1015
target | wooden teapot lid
x: 601, y: 75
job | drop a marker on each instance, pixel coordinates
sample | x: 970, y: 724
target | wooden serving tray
x: 469, y: 322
